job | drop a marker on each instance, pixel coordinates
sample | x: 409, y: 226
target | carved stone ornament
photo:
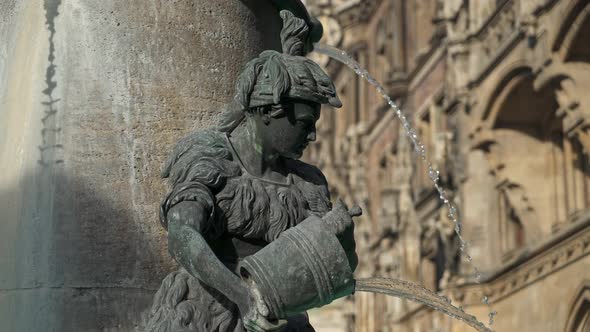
x: 252, y: 227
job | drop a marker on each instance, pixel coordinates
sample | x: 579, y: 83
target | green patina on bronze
x: 251, y: 226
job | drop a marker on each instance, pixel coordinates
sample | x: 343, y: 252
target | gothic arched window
x: 579, y: 317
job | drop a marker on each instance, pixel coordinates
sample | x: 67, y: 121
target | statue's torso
x: 255, y: 211
x: 247, y: 212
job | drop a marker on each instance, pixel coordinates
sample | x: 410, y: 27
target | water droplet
x: 492, y: 314
x: 433, y: 175
x: 485, y: 300
x: 452, y: 210
x: 422, y: 150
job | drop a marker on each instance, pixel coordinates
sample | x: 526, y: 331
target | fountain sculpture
x: 252, y: 227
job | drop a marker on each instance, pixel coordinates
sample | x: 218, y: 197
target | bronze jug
x: 305, y: 267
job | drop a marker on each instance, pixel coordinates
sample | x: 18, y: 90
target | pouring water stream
x: 396, y: 287
x: 407, y: 290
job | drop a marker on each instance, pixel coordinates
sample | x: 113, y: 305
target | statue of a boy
x: 237, y: 187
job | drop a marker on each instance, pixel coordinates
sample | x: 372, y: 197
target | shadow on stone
x: 77, y: 258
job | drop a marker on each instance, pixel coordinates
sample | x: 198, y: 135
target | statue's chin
x: 293, y: 155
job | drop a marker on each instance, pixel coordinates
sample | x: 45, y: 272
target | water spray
x: 419, y: 149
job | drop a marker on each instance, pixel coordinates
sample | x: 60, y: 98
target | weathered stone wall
x: 93, y: 95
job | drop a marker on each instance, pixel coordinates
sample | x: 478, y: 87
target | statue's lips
x: 303, y: 146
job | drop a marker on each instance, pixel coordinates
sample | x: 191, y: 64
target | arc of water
x: 411, y: 291
x: 419, y: 148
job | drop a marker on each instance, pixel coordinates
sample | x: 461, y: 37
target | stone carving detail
x: 500, y: 29
x: 576, y: 123
x: 519, y: 205
x: 540, y: 266
x: 497, y: 34
x: 355, y: 12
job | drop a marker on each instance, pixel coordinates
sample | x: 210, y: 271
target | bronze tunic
x: 245, y: 214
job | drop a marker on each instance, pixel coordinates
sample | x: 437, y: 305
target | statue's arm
x: 186, y: 222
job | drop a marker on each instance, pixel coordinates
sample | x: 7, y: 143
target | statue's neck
x: 253, y: 156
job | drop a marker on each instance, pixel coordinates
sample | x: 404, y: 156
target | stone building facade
x: 498, y: 92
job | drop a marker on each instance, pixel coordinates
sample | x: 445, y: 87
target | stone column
x: 93, y: 95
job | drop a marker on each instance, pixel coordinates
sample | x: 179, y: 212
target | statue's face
x: 289, y: 135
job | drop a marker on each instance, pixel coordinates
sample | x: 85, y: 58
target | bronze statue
x: 238, y: 188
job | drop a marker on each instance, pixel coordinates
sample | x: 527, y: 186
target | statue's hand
x: 254, y: 312
x: 339, y: 219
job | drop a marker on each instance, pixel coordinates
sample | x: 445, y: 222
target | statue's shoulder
x: 201, y: 140
x: 307, y: 172
x: 202, y: 156
x: 312, y: 183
